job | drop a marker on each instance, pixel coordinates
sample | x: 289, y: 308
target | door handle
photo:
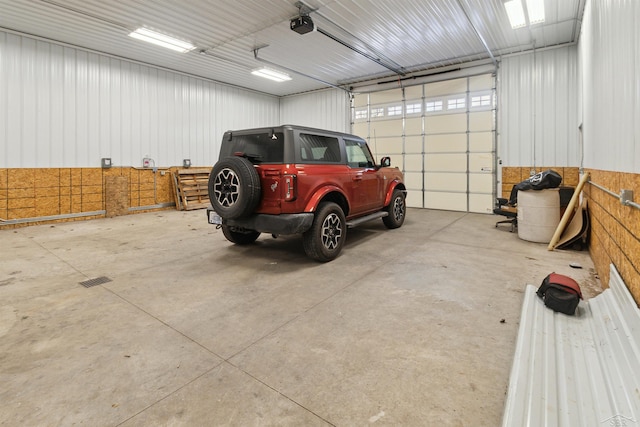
x: 357, y: 177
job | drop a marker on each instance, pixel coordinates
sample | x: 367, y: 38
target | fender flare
x: 319, y: 195
x: 392, y: 186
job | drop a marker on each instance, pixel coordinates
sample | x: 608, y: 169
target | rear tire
x: 239, y: 236
x: 324, y: 240
x: 397, y: 210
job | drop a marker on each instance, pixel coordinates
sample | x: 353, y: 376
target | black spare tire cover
x: 234, y: 187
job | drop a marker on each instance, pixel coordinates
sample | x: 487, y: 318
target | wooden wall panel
x: 31, y: 193
x: 512, y: 175
x: 615, y: 228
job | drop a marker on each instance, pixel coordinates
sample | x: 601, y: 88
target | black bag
x: 560, y: 293
x: 539, y: 181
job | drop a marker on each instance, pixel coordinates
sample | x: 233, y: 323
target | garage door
x: 442, y: 135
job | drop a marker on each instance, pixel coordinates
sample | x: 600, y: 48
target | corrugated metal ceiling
x: 409, y: 35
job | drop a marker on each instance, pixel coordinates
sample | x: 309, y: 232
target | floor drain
x: 94, y: 282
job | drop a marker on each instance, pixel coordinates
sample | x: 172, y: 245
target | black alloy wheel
x: 397, y: 210
x: 324, y: 240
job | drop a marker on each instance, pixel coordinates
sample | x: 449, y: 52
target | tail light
x: 290, y: 187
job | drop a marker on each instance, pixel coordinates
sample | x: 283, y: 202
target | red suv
x: 298, y: 180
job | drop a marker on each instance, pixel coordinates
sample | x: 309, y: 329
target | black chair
x: 503, y: 208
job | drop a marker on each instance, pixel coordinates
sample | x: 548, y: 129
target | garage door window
x: 433, y: 106
x: 481, y: 101
x: 415, y: 108
x: 395, y: 110
x: 456, y: 104
x: 377, y: 112
x: 361, y: 114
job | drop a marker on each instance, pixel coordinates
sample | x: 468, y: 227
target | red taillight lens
x: 290, y: 189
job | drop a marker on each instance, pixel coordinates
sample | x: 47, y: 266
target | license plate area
x: 214, y: 218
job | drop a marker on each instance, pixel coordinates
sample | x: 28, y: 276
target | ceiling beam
x: 484, y: 43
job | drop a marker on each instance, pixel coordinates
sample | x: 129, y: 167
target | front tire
x: 324, y: 240
x: 239, y: 236
x: 397, y: 210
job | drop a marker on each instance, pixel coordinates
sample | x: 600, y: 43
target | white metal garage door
x: 442, y: 135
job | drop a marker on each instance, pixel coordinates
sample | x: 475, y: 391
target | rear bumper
x: 272, y: 224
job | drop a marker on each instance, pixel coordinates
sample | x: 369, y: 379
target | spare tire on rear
x: 234, y: 187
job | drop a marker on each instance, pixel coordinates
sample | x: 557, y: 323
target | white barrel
x: 538, y: 214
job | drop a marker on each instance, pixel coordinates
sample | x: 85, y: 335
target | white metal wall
x: 325, y: 109
x: 66, y: 107
x: 538, y: 109
x: 609, y: 51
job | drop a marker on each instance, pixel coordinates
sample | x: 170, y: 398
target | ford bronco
x: 297, y: 180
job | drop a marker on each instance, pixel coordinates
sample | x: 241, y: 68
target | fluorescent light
x: 515, y: 13
x: 161, y: 40
x: 268, y: 73
x: 536, y: 11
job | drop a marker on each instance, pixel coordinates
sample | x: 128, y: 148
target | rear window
x: 260, y: 148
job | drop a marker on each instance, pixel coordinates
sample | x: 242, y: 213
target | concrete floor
x: 415, y: 326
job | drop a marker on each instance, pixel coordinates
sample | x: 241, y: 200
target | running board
x: 357, y: 221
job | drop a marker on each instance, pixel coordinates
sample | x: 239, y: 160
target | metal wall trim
x: 50, y: 217
x: 156, y: 206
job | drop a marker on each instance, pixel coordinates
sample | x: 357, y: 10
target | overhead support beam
x: 482, y: 40
x: 578, y: 21
x: 476, y: 68
x: 360, y: 52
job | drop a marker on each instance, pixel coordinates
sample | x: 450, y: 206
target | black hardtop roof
x: 282, y: 128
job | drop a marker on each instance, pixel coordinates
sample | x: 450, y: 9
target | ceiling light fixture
x: 535, y: 8
x: 515, y: 13
x: 161, y: 40
x: 271, y: 74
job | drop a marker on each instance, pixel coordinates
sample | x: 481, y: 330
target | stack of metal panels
x: 581, y: 370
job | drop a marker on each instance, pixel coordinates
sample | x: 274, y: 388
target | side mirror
x: 385, y: 162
